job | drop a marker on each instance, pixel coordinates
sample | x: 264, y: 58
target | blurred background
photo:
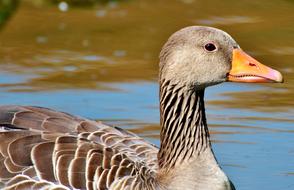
x: 99, y: 59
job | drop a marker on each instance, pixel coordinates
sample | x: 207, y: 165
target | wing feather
x: 49, y: 148
x: 11, y: 167
x: 18, y: 149
x: 41, y: 156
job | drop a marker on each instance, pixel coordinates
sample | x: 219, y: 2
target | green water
x: 100, y: 61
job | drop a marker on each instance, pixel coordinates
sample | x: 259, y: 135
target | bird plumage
x: 57, y: 147
x: 44, y: 149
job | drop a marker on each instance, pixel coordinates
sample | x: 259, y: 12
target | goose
x: 45, y: 149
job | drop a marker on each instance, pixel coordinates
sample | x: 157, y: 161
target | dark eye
x: 210, y: 47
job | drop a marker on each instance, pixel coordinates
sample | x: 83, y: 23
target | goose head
x: 199, y: 56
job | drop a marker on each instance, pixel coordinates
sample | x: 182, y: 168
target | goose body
x: 44, y: 149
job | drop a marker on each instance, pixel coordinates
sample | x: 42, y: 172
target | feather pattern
x: 55, y: 150
x: 184, y: 129
x: 44, y: 149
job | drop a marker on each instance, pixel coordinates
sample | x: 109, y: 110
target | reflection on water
x: 7, y: 8
x: 101, y: 61
x: 230, y: 20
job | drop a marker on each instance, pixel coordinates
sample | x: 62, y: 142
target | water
x: 100, y: 62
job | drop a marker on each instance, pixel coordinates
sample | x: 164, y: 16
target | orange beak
x: 247, y: 69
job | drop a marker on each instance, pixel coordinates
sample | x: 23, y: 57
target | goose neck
x: 184, y: 133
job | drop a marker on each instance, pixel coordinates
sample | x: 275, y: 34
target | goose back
x: 39, y: 145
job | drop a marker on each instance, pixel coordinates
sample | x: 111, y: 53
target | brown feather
x: 6, y: 137
x: 89, y: 126
x: 24, y: 185
x: 41, y: 185
x: 61, y: 125
x: 101, y: 184
x: 4, y: 173
x: 19, y: 150
x: 28, y: 119
x: 77, y: 177
x: 108, y: 153
x: 17, y: 179
x: 59, y: 147
x: 11, y: 167
x: 41, y: 156
x: 94, y: 159
x: 61, y: 170
x: 111, y: 175
x: 30, y: 172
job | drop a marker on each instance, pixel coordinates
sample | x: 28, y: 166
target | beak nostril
x: 252, y: 64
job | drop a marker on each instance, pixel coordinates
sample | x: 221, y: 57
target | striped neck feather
x: 184, y: 132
